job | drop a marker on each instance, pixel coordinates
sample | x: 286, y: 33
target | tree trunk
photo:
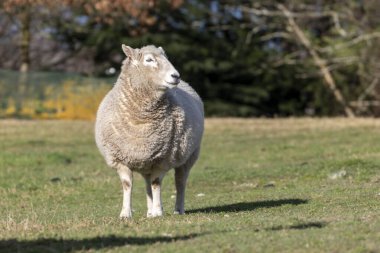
x: 25, y: 41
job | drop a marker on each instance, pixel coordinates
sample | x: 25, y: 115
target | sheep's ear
x: 162, y: 50
x: 128, y: 51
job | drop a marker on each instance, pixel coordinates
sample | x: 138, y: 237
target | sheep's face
x: 154, y: 65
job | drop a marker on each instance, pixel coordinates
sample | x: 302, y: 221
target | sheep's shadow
x: 299, y: 226
x: 248, y: 206
x: 71, y: 245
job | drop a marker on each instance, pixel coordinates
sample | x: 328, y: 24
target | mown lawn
x: 283, y: 185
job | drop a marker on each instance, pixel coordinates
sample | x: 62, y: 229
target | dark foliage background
x: 241, y: 56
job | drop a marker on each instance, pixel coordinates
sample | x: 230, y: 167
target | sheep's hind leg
x: 181, y: 175
x: 149, y: 197
x: 126, y: 177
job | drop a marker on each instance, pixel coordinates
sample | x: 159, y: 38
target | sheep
x: 150, y: 122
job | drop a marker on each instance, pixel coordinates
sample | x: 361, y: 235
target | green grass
x: 267, y: 188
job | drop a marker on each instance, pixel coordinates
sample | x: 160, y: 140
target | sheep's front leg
x: 126, y: 177
x: 157, y: 209
x: 149, y: 197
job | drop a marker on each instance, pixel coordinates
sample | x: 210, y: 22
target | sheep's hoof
x: 156, y: 213
x: 125, y: 215
x: 179, y: 212
x: 149, y: 214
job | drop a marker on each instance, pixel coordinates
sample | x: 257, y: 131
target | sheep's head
x: 152, y: 63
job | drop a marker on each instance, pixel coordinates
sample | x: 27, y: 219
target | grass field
x: 283, y: 185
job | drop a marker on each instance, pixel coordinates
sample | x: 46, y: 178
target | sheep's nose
x: 175, y: 75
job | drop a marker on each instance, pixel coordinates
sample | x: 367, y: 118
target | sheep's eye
x: 149, y: 60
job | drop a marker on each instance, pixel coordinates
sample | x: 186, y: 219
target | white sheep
x: 150, y: 122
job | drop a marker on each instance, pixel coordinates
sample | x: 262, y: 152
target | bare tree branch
x: 369, y: 90
x: 329, y: 80
x: 357, y: 40
x: 338, y: 27
x: 364, y: 103
x: 275, y: 35
x: 248, y: 38
x: 335, y: 16
x: 306, y: 14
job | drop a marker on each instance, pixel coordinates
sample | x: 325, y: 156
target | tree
x: 61, y: 22
x: 20, y: 12
x: 331, y: 33
x: 245, y: 58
